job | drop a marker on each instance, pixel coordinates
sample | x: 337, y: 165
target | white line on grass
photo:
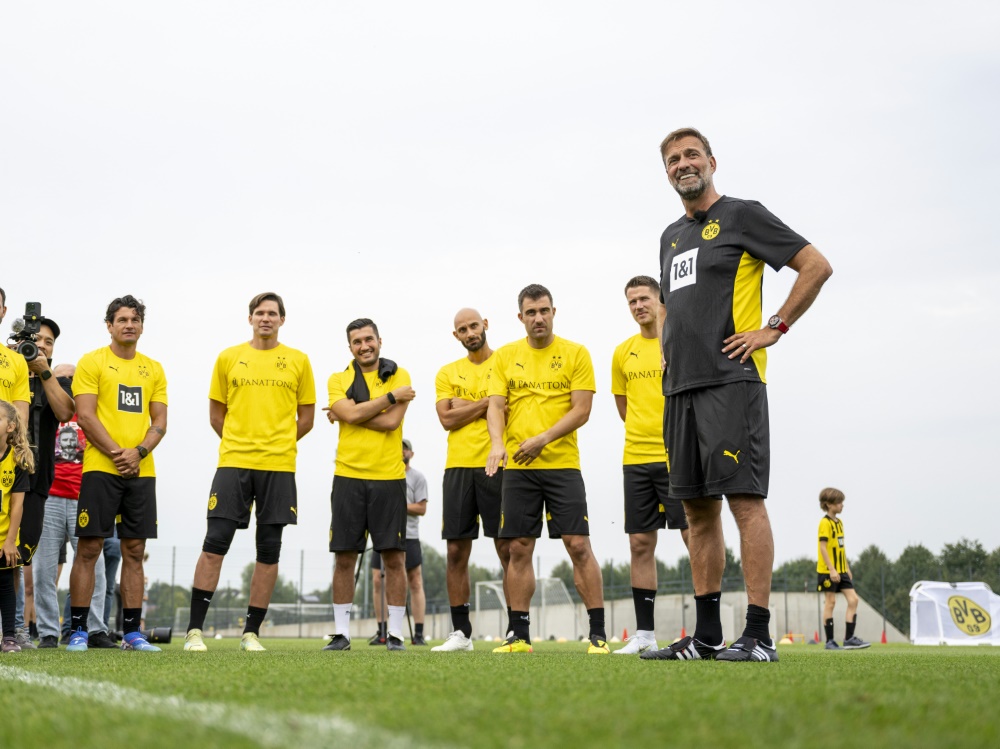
x: 266, y: 729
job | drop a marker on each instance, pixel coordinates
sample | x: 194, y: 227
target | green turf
x: 886, y: 696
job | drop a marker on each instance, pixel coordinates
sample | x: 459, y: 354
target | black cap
x: 52, y: 325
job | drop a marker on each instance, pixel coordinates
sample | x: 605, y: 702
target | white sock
x: 342, y: 617
x: 396, y: 621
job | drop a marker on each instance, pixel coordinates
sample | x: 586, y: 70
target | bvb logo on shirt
x: 556, y: 362
x: 711, y: 231
x: 212, y: 501
x: 84, y: 519
x: 4, y: 361
x: 8, y: 478
x: 143, y: 371
x: 281, y: 363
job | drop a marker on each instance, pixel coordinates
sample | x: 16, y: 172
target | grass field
x: 296, y: 696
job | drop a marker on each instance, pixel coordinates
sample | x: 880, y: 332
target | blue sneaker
x: 138, y: 641
x: 78, y: 641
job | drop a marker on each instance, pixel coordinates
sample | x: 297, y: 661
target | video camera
x: 25, y: 329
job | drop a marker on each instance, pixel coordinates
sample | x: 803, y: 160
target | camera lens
x: 28, y: 350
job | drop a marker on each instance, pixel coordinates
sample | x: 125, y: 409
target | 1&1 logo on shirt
x: 130, y: 399
x: 684, y: 269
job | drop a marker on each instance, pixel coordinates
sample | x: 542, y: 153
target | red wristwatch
x: 775, y: 323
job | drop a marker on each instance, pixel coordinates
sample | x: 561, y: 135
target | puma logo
x: 460, y: 377
x: 632, y: 353
x: 518, y: 364
x: 732, y: 455
x: 245, y: 364
x: 294, y: 511
x: 114, y: 368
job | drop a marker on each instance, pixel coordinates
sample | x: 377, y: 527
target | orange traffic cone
x: 683, y: 633
x: 816, y: 636
x: 624, y: 634
x: 883, y: 637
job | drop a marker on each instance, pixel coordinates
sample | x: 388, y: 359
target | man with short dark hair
x: 368, y: 400
x: 547, y: 384
x: 716, y: 421
x: 636, y: 384
x: 469, y: 494
x: 261, y: 402
x: 121, y: 400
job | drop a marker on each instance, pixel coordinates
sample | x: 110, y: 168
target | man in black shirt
x: 715, y: 421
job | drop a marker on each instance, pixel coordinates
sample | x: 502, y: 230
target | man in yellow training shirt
x: 469, y: 494
x: 368, y: 400
x: 636, y: 382
x: 121, y: 404
x: 261, y: 402
x: 547, y: 386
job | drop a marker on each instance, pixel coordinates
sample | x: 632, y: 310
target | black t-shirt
x: 711, y: 279
x: 42, y: 428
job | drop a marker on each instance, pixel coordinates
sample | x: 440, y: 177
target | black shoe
x: 64, y: 640
x: 856, y: 643
x: 418, y: 640
x: 338, y: 642
x: 101, y: 640
x: 394, y: 643
x: 377, y: 639
x: 49, y: 641
x: 685, y: 649
x: 749, y: 649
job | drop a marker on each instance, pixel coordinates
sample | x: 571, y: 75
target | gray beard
x: 692, y: 192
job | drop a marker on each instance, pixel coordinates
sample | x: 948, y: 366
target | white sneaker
x: 250, y: 642
x: 193, y: 641
x: 455, y: 641
x: 638, y: 643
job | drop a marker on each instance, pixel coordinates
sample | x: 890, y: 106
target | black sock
x: 33, y: 629
x: 597, y: 623
x: 130, y: 620
x: 828, y: 628
x: 644, y: 601
x: 510, y: 619
x: 708, y: 621
x: 758, y: 619
x: 520, y: 622
x: 850, y: 627
x: 78, y: 618
x: 418, y: 629
x: 460, y: 619
x: 8, y: 601
x: 200, y: 601
x: 255, y: 617
x: 383, y: 629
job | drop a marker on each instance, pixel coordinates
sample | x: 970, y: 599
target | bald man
x: 469, y: 494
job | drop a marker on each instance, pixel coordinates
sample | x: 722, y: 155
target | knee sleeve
x: 219, y: 536
x: 269, y: 543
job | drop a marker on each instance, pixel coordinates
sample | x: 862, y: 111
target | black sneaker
x: 395, y: 643
x: 418, y: 640
x: 749, y: 649
x: 685, y: 649
x: 856, y: 643
x: 49, y: 641
x: 64, y: 640
x: 338, y: 642
x: 101, y: 640
x: 377, y: 639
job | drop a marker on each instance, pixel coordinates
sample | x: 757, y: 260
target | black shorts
x: 236, y: 490
x: 468, y: 495
x: 107, y: 500
x: 647, y: 504
x: 363, y: 507
x: 414, y: 555
x: 32, y: 517
x: 718, y: 441
x: 559, y: 493
x: 827, y: 585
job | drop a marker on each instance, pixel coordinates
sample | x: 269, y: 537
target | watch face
x: 774, y: 322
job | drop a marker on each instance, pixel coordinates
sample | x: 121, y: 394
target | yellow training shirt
x: 364, y: 453
x: 12, y: 479
x: 636, y: 374
x: 262, y: 391
x: 833, y: 532
x: 468, y: 446
x: 13, y: 377
x: 124, y: 390
x: 537, y: 384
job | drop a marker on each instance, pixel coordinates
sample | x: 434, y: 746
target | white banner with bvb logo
x: 954, y: 614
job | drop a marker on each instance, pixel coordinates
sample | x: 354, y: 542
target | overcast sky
x: 400, y: 161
